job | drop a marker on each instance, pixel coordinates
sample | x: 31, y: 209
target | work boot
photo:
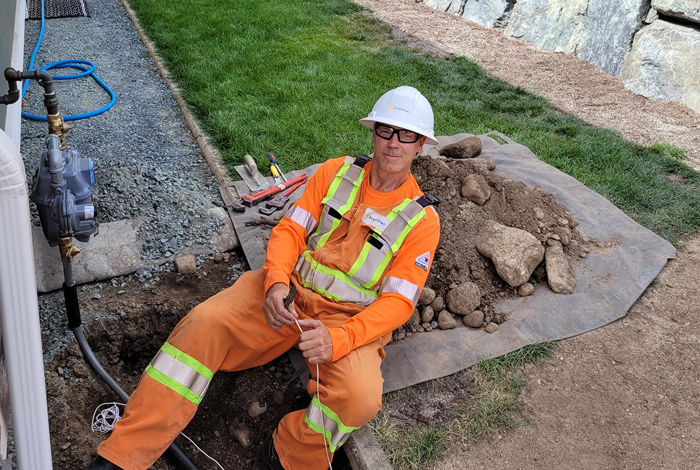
x: 100, y: 463
x: 270, y: 454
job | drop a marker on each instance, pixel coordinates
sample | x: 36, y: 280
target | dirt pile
x: 482, y: 214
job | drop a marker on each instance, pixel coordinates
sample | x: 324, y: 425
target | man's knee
x: 362, y: 398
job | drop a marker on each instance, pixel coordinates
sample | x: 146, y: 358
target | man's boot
x: 100, y: 463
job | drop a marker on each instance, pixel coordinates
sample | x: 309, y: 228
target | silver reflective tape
x: 326, y: 284
x: 302, y: 217
x: 401, y: 286
x: 182, y: 373
x: 317, y: 417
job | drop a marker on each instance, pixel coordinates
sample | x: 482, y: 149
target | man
x: 358, y: 246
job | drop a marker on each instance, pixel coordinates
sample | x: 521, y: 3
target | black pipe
x: 44, y: 79
x: 74, y: 321
x: 13, y: 92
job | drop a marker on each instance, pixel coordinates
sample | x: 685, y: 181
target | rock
x: 490, y: 164
x: 427, y: 314
x: 400, y: 336
x: 256, y: 409
x: 564, y: 235
x: 242, y: 436
x: 96, y: 296
x: 446, y: 321
x: 450, y: 6
x: 488, y: 13
x: 186, y: 264
x: 476, y: 189
x: 559, y: 275
x: 225, y: 239
x: 415, y: 318
x: 278, y: 397
x: 438, y: 303
x: 539, y: 213
x: 491, y: 327
x: 652, y: 16
x: 608, y: 32
x: 515, y: 253
x: 556, y: 25
x: 664, y: 63
x: 685, y: 9
x: 554, y: 236
x: 552, y: 241
x: 426, y: 296
x: 227, y: 257
x: 80, y: 370
x: 474, y: 319
x: 218, y: 258
x: 583, y: 254
x: 526, y: 289
x: 469, y: 147
x: 419, y: 329
x: 433, y: 324
x: 464, y: 298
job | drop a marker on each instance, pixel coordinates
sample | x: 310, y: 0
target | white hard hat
x: 403, y: 107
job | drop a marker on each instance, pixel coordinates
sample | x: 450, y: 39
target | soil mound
x: 474, y: 195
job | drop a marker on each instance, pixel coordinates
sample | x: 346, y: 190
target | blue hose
x: 87, y: 67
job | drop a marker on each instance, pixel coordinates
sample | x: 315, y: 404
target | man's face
x: 392, y: 156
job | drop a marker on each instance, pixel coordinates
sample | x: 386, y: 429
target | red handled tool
x: 251, y: 199
x: 278, y: 202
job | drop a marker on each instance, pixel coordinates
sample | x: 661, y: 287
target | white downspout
x: 19, y: 313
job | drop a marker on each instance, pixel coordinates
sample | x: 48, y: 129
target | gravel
x: 148, y: 165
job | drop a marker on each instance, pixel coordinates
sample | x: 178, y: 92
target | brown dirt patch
x: 125, y: 343
x: 572, y: 85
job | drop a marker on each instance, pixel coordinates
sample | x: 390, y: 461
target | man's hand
x: 273, y: 308
x: 316, y: 344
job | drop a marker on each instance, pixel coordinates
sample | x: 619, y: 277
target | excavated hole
x: 126, y: 343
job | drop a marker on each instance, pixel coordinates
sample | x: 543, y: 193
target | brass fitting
x: 59, y: 127
x: 68, y: 249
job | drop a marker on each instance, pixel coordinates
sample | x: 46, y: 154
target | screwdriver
x: 273, y: 160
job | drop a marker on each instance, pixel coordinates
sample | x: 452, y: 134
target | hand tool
x: 251, y: 199
x: 251, y: 175
x: 278, y: 202
x: 290, y: 297
x: 273, y: 160
x: 275, y: 174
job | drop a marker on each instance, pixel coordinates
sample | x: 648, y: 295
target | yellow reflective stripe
x: 319, y: 416
x: 336, y: 182
x: 360, y: 260
x: 411, y: 223
x: 185, y: 358
x: 395, y: 212
x: 340, y: 275
x: 173, y: 385
x: 324, y: 238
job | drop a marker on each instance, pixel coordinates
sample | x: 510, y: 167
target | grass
x: 293, y: 77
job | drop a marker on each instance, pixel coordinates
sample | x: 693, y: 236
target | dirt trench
x: 125, y: 328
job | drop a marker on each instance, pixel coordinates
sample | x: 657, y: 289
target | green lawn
x: 294, y: 76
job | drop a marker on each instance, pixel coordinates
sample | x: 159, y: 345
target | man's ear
x: 421, y: 142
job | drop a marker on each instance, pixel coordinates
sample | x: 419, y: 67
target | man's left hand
x: 316, y: 344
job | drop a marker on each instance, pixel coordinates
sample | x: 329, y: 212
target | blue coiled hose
x: 87, y: 67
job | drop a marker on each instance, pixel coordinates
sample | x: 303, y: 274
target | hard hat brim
x: 369, y: 123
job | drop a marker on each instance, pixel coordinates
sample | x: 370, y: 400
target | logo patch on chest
x: 375, y: 220
x: 423, y: 260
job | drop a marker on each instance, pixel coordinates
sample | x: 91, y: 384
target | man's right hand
x: 273, y: 308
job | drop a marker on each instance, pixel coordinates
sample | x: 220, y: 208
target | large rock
x: 469, y: 147
x: 609, y: 30
x: 556, y: 25
x: 559, y: 276
x: 664, y: 64
x: 515, y: 253
x: 476, y: 189
x: 464, y: 298
x: 685, y: 9
x: 488, y: 13
x: 450, y: 6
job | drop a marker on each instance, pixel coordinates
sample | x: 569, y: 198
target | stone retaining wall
x: 652, y: 46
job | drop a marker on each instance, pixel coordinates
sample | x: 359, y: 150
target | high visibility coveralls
x: 359, y: 259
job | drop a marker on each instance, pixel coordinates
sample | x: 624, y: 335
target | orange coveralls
x: 229, y: 332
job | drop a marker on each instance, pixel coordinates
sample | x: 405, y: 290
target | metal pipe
x: 19, y: 313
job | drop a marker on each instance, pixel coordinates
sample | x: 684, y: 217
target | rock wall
x: 653, y: 46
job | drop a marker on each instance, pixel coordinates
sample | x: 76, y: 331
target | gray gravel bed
x: 148, y: 165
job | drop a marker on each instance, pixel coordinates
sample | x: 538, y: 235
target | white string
x: 104, y: 422
x: 318, y: 395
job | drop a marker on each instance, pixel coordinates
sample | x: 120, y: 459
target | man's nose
x: 394, y: 140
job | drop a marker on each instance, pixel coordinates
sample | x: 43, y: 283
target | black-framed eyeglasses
x: 387, y: 132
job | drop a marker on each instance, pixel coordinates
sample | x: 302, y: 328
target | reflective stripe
x: 302, y: 217
x: 370, y: 265
x: 331, y: 283
x: 401, y: 286
x: 320, y: 417
x: 180, y: 372
x: 341, y: 196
